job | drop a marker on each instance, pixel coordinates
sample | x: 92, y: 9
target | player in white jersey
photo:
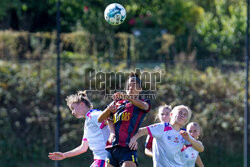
x: 189, y: 155
x: 95, y: 134
x: 164, y: 116
x: 169, y: 139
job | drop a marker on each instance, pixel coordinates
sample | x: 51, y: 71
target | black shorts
x: 117, y: 155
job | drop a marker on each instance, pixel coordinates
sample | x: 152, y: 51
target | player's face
x: 164, y: 115
x: 193, y: 131
x: 181, y: 116
x: 133, y: 87
x: 77, y: 109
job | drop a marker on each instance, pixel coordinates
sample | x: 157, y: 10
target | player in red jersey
x: 128, y: 110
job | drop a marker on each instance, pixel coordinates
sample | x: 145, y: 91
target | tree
x: 222, y: 32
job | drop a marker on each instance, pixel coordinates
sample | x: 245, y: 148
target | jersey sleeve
x: 84, y: 137
x: 149, y: 142
x: 156, y: 130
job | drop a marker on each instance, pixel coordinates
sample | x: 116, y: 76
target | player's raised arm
x: 132, y: 96
x: 106, y: 113
x: 77, y: 151
x: 139, y: 103
x: 197, y: 145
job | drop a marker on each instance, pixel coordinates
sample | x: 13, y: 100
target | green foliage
x: 222, y: 32
x: 3, y: 8
x: 178, y: 16
x: 114, y: 47
x: 24, y: 45
x: 71, y: 11
x: 213, y: 28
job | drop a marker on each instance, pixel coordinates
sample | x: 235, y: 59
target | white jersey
x: 189, y: 156
x: 167, y: 145
x: 96, y: 134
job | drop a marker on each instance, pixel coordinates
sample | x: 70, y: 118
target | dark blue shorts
x: 117, y: 155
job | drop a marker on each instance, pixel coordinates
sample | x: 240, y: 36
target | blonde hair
x: 81, y: 96
x: 196, y: 125
x: 161, y: 108
x: 176, y: 108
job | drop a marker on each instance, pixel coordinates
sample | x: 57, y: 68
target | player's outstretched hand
x: 112, y: 107
x: 56, y: 156
x: 184, y: 134
x: 118, y: 96
x: 133, y: 143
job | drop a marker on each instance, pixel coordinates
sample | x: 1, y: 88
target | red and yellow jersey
x: 127, y: 120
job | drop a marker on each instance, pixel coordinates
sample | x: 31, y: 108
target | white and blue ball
x: 115, y: 14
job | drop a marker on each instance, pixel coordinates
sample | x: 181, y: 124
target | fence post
x: 58, y: 80
x: 128, y: 52
x: 246, y: 121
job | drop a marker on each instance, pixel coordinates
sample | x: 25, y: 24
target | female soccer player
x: 169, y: 139
x: 164, y: 116
x: 128, y: 111
x: 188, y: 154
x: 95, y: 134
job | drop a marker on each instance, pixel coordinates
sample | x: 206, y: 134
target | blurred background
x: 199, y: 43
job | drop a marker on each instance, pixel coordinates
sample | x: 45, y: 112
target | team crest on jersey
x: 176, y: 140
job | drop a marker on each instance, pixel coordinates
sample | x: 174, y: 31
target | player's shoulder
x: 157, y: 126
x: 94, y: 113
x: 95, y: 110
x: 183, y: 129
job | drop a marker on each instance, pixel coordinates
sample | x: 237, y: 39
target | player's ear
x: 199, y: 133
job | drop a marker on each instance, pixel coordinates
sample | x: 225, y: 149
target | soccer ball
x: 115, y: 14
